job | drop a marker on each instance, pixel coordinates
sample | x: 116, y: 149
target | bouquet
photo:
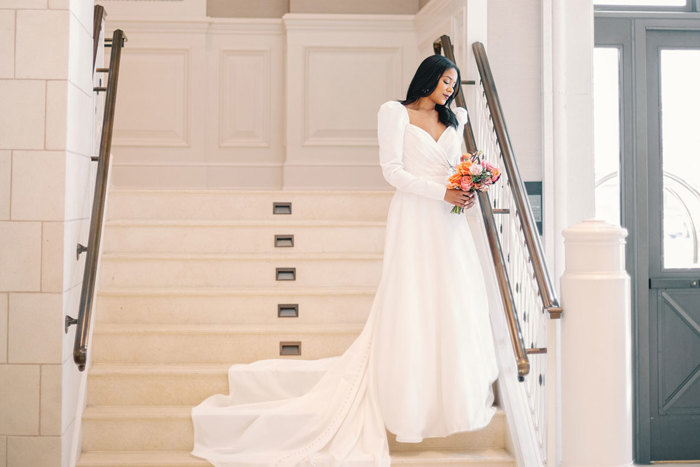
x: 471, y: 174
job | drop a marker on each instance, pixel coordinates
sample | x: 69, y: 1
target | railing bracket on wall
x: 69, y: 321
x: 80, y: 249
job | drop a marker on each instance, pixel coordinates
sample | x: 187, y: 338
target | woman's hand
x: 460, y: 198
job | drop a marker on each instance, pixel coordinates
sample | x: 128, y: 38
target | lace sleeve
x: 391, y: 124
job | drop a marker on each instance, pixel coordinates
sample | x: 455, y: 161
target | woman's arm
x: 391, y: 124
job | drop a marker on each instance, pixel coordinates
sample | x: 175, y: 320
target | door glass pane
x: 661, y: 3
x: 680, y: 104
x: 606, y: 105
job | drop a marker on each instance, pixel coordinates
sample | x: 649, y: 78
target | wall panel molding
x: 154, y: 99
x: 346, y: 118
x: 244, y: 99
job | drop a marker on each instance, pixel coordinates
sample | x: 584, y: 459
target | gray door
x: 673, y: 218
x: 658, y: 75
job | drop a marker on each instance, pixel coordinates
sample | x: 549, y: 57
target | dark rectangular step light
x: 290, y: 348
x: 288, y: 310
x: 286, y: 274
x: 284, y: 241
x: 281, y: 208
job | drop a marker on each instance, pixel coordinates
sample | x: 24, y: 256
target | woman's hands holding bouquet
x: 462, y: 199
x: 470, y: 175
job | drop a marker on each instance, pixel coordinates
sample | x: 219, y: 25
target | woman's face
x: 445, y: 87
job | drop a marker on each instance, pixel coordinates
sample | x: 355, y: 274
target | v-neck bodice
x: 411, y: 159
x: 428, y: 134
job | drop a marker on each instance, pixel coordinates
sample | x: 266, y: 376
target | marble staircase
x: 189, y: 284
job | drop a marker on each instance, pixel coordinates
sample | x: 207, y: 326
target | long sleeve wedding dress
x: 424, y: 363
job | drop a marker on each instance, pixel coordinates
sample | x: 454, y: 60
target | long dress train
x: 424, y: 363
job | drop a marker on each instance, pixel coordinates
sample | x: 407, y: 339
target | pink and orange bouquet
x: 472, y: 174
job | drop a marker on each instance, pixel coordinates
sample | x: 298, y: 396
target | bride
x: 424, y: 363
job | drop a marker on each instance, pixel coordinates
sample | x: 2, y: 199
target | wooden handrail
x: 444, y: 44
x: 98, y: 206
x: 97, y: 19
x: 524, y: 211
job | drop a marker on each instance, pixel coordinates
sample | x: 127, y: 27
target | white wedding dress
x: 424, y: 363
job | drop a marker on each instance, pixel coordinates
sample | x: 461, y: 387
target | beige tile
x: 3, y: 451
x: 35, y: 328
x: 52, y: 257
x: 25, y: 4
x: 56, y: 114
x: 19, y: 399
x: 60, y: 4
x: 3, y: 328
x: 50, y: 415
x: 34, y: 451
x: 21, y: 264
x: 38, y: 185
x: 5, y: 179
x: 7, y: 43
x: 22, y: 118
x: 42, y: 44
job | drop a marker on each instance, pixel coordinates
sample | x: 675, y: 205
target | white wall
x: 257, y: 103
x: 340, y: 68
x: 514, y: 49
x: 45, y: 173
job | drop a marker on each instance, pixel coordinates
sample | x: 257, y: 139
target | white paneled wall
x: 46, y: 141
x: 258, y: 103
x: 340, y: 68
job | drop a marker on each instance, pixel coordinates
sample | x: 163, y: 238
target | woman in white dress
x: 424, y: 363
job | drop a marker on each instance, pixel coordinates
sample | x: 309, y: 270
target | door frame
x: 627, y: 31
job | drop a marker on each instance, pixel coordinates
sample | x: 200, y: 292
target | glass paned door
x: 673, y: 182
x: 679, y: 71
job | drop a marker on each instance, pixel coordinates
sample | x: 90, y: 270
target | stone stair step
x: 471, y: 458
x: 211, y: 236
x: 224, y: 305
x: 245, y: 205
x: 125, y: 343
x: 137, y: 428
x: 238, y: 270
x: 144, y: 385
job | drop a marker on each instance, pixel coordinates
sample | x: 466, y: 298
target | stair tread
x: 287, y: 328
x: 252, y: 291
x: 286, y: 222
x: 301, y: 256
x: 184, y: 457
x: 443, y: 455
x: 223, y: 191
x: 163, y: 368
x: 160, y: 411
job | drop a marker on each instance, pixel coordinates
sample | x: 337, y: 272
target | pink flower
x: 466, y: 183
x: 475, y: 169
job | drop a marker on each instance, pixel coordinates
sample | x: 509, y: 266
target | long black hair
x: 426, y: 80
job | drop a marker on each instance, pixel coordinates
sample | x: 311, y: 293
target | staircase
x: 188, y: 285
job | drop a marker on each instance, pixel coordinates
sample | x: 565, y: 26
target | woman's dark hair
x: 426, y: 80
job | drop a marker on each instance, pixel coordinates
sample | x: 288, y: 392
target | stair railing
x: 82, y: 332
x: 525, y: 284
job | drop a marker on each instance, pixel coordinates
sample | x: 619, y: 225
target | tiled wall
x: 46, y: 141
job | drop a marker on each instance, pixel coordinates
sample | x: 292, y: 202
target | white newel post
x: 596, y: 347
